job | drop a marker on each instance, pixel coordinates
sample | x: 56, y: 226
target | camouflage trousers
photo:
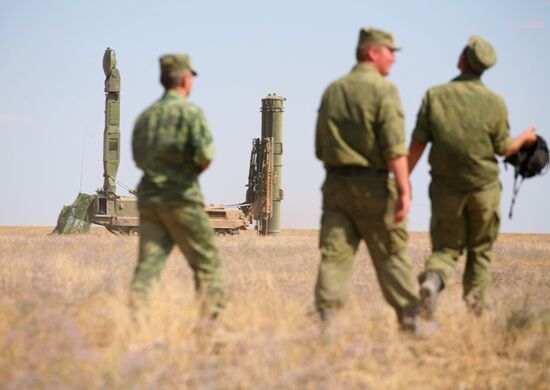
x: 468, y: 221
x: 188, y: 227
x: 356, y: 208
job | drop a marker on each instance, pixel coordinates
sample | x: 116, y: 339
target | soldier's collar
x: 365, y: 67
x: 170, y: 93
x: 467, y: 76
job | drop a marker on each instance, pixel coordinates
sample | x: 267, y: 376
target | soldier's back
x: 348, y: 126
x: 164, y: 150
x: 465, y: 118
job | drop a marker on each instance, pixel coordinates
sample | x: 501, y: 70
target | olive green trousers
x: 468, y: 221
x: 356, y: 208
x: 188, y: 227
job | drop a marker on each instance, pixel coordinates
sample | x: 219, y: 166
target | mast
x: 111, y: 135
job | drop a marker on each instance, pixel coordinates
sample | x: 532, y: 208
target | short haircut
x: 173, y: 78
x: 362, y: 52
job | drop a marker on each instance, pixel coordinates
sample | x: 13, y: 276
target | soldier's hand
x: 526, y: 138
x: 203, y: 166
x: 529, y: 136
x: 402, y: 207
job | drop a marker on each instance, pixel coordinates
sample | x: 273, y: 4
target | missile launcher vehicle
x: 119, y: 214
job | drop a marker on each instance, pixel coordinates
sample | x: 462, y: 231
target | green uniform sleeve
x: 139, y: 142
x: 320, y: 129
x: 422, y: 131
x: 200, y: 139
x: 502, y: 141
x: 391, y: 134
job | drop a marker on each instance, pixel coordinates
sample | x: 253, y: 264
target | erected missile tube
x: 111, y: 135
x: 272, y: 127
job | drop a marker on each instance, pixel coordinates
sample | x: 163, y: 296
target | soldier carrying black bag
x: 528, y: 162
x: 467, y: 125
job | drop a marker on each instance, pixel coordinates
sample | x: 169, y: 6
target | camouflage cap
x: 480, y: 54
x: 370, y: 36
x: 176, y: 62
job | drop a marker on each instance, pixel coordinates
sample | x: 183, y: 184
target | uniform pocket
x: 447, y: 232
x: 332, y: 190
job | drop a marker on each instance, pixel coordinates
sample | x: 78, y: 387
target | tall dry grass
x: 64, y: 323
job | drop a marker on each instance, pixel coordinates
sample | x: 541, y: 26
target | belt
x: 355, y: 170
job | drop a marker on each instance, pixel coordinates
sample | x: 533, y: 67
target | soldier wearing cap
x: 467, y: 125
x: 360, y: 140
x: 172, y: 145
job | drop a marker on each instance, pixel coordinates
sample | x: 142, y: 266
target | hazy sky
x: 52, y: 99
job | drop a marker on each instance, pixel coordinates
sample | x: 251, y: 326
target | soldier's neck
x: 183, y: 91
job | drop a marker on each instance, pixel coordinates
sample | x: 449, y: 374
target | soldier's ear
x: 372, y: 53
x: 183, y: 81
x: 187, y: 82
x: 461, y: 62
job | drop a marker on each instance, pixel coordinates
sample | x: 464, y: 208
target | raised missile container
x: 264, y: 193
x: 272, y: 127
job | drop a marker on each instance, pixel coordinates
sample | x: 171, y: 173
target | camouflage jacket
x: 467, y: 125
x: 360, y: 121
x: 170, y: 140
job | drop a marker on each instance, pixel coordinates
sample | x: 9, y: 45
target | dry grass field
x: 64, y: 323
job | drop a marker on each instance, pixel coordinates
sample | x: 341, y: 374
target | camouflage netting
x: 76, y: 217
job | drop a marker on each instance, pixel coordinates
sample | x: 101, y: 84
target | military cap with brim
x: 480, y: 54
x: 369, y: 36
x: 175, y: 63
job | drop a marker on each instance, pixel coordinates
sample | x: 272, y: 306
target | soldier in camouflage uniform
x: 467, y: 125
x: 172, y: 145
x: 360, y: 140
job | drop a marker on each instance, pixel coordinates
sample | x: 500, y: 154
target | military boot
x: 329, y: 331
x: 475, y: 302
x: 410, y: 324
x: 429, y: 288
x: 407, y: 320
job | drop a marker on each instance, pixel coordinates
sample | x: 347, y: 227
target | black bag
x: 529, y: 161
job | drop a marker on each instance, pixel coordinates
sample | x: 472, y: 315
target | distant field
x: 64, y: 323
